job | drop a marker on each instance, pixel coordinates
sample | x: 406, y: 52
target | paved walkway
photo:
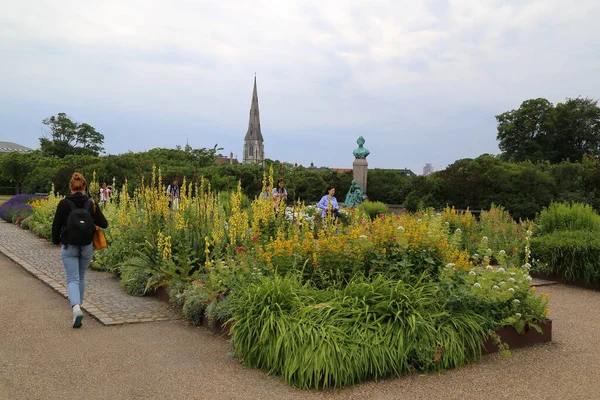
x: 105, y: 300
x: 42, y: 357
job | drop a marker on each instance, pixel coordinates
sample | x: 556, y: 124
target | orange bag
x: 99, y: 240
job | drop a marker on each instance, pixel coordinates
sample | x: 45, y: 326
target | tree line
x: 549, y: 153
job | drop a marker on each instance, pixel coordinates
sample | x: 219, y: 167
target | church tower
x: 254, y: 148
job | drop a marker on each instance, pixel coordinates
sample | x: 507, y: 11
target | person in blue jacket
x: 329, y: 204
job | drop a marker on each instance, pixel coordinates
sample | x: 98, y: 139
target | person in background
x: 279, y: 194
x: 173, y: 193
x: 329, y: 204
x: 76, y: 244
x: 266, y: 193
x: 104, y: 194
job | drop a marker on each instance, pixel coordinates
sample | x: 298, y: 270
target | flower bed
x: 18, y: 207
x: 325, y: 302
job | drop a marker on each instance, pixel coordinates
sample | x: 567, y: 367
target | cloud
x: 401, y: 72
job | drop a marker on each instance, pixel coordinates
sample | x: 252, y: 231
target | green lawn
x: 4, y: 198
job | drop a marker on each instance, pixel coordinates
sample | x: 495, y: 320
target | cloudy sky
x: 421, y: 80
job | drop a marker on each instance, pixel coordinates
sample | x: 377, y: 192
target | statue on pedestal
x: 361, y: 152
x: 355, y: 195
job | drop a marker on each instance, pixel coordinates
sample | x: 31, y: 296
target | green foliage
x: 197, y: 297
x: 15, y: 167
x: 539, y: 131
x: 68, y: 137
x: 368, y: 330
x: 134, y: 278
x: 572, y: 255
x: 387, y: 186
x: 567, y: 217
x: 373, y: 208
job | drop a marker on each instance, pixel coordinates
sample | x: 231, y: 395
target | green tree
x: 528, y: 132
x: 69, y: 137
x: 578, y: 129
x: 15, y: 166
x: 539, y: 131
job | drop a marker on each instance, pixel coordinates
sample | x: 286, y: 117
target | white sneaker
x: 77, y: 316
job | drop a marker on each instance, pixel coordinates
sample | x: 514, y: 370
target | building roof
x: 225, y: 160
x: 6, y: 147
x: 254, y: 132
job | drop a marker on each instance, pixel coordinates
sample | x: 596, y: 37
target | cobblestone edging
x: 104, y: 298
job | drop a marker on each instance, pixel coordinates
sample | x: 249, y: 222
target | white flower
x: 363, y: 236
x: 446, y: 223
x: 512, y: 274
x: 489, y: 267
x: 502, y: 283
x: 475, y: 255
x: 495, y: 287
x: 400, y: 228
x: 501, y: 252
x: 438, y: 215
x: 516, y: 301
x: 450, y: 265
x: 477, y: 285
x: 500, y: 269
x: 458, y: 231
x: 485, y: 238
x: 518, y: 315
x: 419, y: 220
x: 472, y: 273
x: 527, y: 265
x: 511, y: 279
x: 511, y: 289
x: 529, y: 278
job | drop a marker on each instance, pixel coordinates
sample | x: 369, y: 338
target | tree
x: 68, y: 137
x: 527, y: 133
x: 15, y: 166
x: 539, y: 131
x: 578, y: 127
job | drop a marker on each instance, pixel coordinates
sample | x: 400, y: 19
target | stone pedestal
x: 359, y: 171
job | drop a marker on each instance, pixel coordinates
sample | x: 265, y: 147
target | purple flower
x: 18, y: 206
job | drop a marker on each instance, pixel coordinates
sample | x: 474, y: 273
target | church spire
x: 253, y: 141
x: 254, y: 132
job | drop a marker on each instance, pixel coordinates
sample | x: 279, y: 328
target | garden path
x: 42, y: 357
x: 104, y: 298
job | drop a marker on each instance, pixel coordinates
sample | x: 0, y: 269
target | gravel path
x: 42, y: 357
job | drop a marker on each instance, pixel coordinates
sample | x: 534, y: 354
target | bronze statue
x: 361, y: 152
x: 355, y: 195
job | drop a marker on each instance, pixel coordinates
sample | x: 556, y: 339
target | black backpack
x: 80, y: 226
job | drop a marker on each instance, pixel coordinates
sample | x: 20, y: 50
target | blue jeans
x: 76, y: 260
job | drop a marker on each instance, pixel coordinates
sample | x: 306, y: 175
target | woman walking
x: 73, y: 228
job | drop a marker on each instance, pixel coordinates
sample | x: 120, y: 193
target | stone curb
x: 93, y: 310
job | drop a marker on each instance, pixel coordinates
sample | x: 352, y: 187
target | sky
x: 420, y: 80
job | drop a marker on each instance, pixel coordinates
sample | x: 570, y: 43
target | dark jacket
x: 62, y: 213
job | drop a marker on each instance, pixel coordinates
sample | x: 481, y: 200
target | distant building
x: 226, y: 160
x: 428, y: 169
x: 254, y: 147
x: 7, y: 147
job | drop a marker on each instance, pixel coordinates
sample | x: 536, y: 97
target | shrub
x: 368, y: 330
x: 567, y: 217
x: 573, y: 255
x: 134, y: 278
x: 373, y: 208
x: 196, y: 300
x: 17, y: 206
x: 176, y: 290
